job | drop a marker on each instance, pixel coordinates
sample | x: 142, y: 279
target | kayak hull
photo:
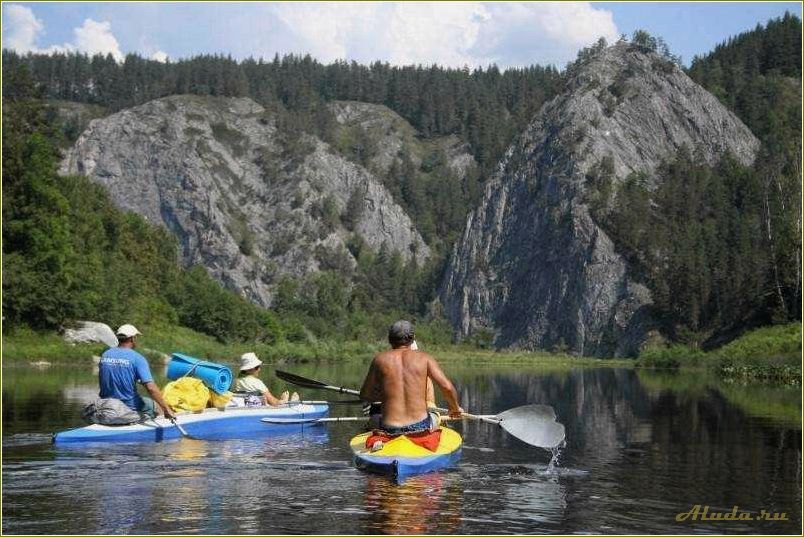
x: 210, y: 424
x: 400, y: 458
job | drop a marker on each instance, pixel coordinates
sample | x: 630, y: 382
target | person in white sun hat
x: 248, y: 381
x: 121, y: 368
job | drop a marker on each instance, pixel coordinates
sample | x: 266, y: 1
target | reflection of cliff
x: 665, y: 446
x: 596, y: 406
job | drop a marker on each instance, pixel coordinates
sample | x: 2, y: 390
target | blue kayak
x: 212, y: 423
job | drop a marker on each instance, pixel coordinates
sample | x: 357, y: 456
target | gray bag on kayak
x: 110, y: 412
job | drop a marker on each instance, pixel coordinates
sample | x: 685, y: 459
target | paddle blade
x: 533, y: 424
x: 312, y: 383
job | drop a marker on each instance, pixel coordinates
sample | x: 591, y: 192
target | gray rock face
x: 90, y: 332
x: 217, y: 173
x: 392, y: 134
x: 532, y: 265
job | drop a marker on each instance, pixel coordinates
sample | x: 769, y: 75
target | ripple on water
x: 478, y: 448
x: 26, y: 439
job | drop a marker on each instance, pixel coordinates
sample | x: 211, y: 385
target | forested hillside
x: 720, y: 247
x: 70, y: 253
x: 486, y: 107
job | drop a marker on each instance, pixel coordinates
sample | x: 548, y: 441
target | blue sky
x: 447, y: 33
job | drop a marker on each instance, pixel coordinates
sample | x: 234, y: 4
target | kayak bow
x: 400, y: 458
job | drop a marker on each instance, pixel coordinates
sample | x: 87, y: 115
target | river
x: 641, y: 449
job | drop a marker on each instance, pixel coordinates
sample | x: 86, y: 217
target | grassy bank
x: 158, y: 342
x: 771, y: 353
x: 24, y: 345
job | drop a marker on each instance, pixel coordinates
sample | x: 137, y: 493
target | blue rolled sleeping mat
x: 217, y: 377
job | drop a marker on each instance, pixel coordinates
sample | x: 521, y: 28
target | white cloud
x: 400, y: 32
x: 20, y: 28
x: 21, y: 31
x: 435, y: 32
x: 325, y: 30
x: 553, y: 32
x: 447, y: 33
x: 95, y: 37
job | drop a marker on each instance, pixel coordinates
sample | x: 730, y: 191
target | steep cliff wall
x: 244, y: 202
x: 533, y: 266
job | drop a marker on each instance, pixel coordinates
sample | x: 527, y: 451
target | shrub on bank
x: 770, y: 342
x: 771, y: 354
x: 670, y: 357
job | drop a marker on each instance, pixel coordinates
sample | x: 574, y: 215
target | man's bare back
x: 398, y: 378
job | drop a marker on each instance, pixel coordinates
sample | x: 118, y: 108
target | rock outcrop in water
x: 244, y: 202
x: 533, y: 268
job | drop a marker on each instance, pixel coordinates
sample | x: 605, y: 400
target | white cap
x: 413, y: 346
x: 249, y: 361
x: 127, y: 330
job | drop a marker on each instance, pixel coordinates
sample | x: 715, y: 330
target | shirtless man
x: 398, y: 378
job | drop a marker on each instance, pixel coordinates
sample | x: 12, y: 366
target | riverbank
x: 768, y: 354
x: 157, y: 343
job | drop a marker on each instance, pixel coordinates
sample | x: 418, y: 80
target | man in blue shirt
x: 119, y: 370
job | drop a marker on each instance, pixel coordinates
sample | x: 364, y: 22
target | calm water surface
x: 641, y: 448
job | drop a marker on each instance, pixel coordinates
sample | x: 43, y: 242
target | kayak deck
x: 212, y: 423
x: 400, y: 458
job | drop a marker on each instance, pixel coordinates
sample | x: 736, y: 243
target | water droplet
x: 556, y: 457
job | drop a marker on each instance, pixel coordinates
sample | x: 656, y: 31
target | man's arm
x: 434, y: 372
x: 369, y: 389
x: 143, y: 372
x: 156, y: 395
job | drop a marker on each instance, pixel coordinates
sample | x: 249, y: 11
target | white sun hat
x: 249, y: 361
x: 127, y: 330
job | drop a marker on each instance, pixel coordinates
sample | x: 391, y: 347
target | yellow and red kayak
x: 400, y: 458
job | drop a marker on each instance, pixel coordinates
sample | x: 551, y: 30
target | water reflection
x: 428, y: 503
x: 641, y: 447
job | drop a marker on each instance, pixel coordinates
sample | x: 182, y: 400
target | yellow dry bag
x: 187, y: 393
x: 219, y: 400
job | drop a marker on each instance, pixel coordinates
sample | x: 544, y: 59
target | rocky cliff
x: 245, y: 201
x: 391, y: 135
x: 533, y: 268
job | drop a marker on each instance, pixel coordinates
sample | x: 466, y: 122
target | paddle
x: 533, y: 424
x: 184, y: 433
x: 346, y: 402
x: 295, y: 421
x: 310, y: 383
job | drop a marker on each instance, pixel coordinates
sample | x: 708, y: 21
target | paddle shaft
x: 294, y: 421
x: 488, y: 418
x: 180, y: 428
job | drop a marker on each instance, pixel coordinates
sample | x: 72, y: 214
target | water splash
x: 556, y: 457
